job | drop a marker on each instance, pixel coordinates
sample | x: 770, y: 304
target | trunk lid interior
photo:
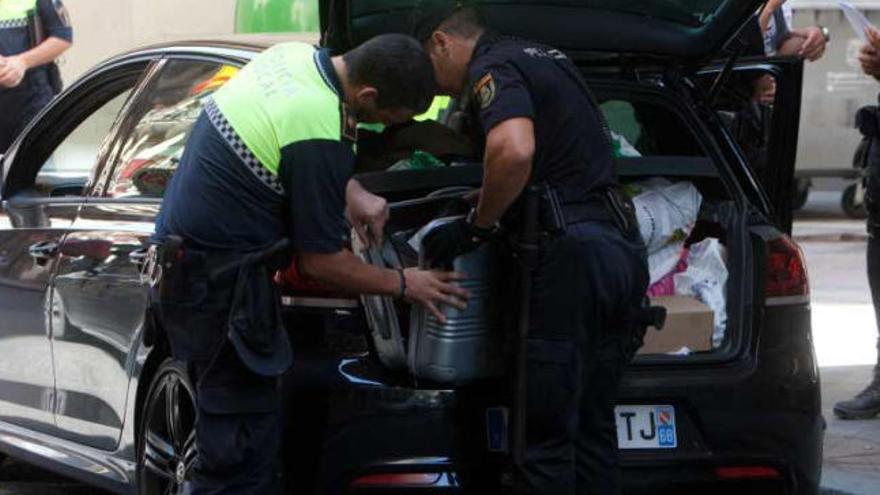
x: 693, y: 30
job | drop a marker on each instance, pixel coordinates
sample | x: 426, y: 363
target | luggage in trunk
x: 470, y: 346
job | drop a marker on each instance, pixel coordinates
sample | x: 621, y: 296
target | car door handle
x: 138, y: 257
x: 43, y: 250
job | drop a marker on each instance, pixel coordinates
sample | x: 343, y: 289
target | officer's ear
x: 367, y: 96
x: 440, y: 43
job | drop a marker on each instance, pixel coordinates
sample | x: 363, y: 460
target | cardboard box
x: 689, y: 323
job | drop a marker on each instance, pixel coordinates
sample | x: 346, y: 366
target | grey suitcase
x: 471, y: 344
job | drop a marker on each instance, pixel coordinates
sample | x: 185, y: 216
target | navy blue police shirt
x: 510, y: 78
x: 217, y: 203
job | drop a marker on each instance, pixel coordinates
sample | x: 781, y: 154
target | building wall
x: 103, y: 28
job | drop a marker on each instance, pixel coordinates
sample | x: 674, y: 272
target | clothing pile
x: 667, y: 214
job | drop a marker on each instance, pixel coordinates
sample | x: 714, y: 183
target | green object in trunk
x: 277, y: 16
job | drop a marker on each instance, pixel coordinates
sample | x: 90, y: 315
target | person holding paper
x: 866, y: 404
x: 869, y: 56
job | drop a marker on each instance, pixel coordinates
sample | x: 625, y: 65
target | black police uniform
x: 591, y: 277
x: 20, y: 104
x: 866, y: 404
x: 868, y: 121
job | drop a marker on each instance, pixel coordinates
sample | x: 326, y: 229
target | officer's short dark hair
x: 398, y: 67
x: 458, y: 18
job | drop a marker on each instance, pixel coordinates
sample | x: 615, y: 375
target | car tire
x: 166, y: 439
x: 848, y: 203
x: 801, y: 194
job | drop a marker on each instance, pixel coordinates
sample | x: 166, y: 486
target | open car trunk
x: 692, y: 186
x: 474, y: 345
x: 693, y: 220
x: 692, y: 30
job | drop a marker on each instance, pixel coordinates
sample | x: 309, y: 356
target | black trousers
x: 588, y: 287
x: 238, y: 428
x: 238, y: 418
x: 872, y: 203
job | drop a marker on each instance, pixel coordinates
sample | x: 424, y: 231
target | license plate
x: 646, y: 427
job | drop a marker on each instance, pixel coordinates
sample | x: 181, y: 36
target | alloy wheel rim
x: 169, y: 446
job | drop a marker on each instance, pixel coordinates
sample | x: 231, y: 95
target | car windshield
x: 688, y: 12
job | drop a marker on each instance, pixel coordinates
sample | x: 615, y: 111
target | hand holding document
x: 857, y: 20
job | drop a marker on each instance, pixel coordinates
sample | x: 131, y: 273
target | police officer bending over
x: 33, y: 33
x: 542, y: 126
x: 271, y: 157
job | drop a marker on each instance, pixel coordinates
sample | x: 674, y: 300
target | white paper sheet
x: 856, y: 18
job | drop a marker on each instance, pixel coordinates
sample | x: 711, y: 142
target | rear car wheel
x: 853, y: 208
x: 167, y: 444
x: 801, y: 193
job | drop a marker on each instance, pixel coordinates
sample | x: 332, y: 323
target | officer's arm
x: 366, y: 212
x: 59, y: 33
x: 59, y: 37
x: 13, y: 69
x: 45, y: 52
x: 318, y: 175
x: 506, y: 115
x: 510, y: 149
x: 348, y: 273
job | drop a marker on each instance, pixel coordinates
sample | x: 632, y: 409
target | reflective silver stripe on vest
x: 14, y: 23
x: 235, y: 142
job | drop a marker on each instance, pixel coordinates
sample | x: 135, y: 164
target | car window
x: 161, y: 123
x: 648, y: 129
x: 70, y: 165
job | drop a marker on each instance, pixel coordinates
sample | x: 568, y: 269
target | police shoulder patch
x: 484, y: 91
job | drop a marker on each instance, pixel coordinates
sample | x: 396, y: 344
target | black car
x: 87, y: 391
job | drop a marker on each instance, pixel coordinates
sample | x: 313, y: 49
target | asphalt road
x: 18, y: 478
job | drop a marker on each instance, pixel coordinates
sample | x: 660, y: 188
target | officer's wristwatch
x: 480, y: 233
x: 826, y: 33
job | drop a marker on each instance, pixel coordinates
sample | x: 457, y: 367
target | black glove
x: 443, y: 244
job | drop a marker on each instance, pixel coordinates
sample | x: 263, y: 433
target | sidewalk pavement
x: 852, y: 448
x: 844, y: 333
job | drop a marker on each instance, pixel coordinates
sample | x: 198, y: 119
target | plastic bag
x: 622, y: 147
x: 665, y: 286
x: 706, y: 280
x: 667, y: 212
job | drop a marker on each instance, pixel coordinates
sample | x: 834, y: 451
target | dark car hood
x: 680, y: 29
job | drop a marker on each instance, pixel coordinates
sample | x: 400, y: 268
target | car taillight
x: 391, y: 480
x: 786, y: 271
x: 747, y: 473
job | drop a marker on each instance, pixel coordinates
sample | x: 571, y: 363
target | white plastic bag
x: 661, y: 263
x: 667, y: 212
x: 706, y: 280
